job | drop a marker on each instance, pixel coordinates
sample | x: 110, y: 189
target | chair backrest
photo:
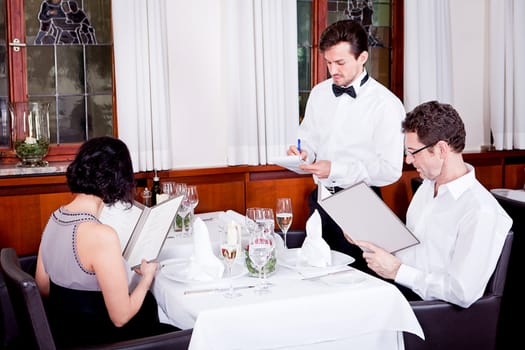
x: 9, y: 333
x: 447, y: 326
x: 496, y: 284
x: 510, y: 331
x: 27, y: 303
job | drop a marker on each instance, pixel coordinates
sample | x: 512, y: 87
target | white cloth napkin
x: 203, y: 265
x: 232, y: 215
x: 315, y: 250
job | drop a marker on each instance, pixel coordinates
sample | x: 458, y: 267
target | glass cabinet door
x: 59, y: 52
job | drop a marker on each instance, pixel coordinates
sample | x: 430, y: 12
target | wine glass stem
x: 231, y: 279
x: 284, y: 234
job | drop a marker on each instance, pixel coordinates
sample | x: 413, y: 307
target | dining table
x: 334, y: 307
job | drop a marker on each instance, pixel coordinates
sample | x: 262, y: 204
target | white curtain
x: 261, y: 77
x: 139, y: 29
x: 507, y: 73
x: 258, y: 81
x: 427, y: 52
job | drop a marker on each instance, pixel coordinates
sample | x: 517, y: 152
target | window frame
x: 17, y: 81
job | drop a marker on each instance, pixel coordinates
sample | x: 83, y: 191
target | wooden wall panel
x: 399, y: 194
x: 264, y: 193
x: 514, y: 176
x: 27, y: 202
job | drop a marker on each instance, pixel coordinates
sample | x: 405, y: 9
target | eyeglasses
x: 413, y: 153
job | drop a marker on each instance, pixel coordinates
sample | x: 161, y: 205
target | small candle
x: 30, y: 140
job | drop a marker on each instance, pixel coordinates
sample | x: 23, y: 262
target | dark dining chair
x: 33, y: 326
x: 8, y: 325
x: 450, y: 327
x: 510, y: 331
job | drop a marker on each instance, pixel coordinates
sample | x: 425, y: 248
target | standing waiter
x: 351, y: 131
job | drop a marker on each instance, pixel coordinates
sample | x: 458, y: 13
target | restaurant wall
x: 195, y: 77
x: 469, y: 68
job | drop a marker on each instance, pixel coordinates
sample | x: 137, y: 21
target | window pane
x: 70, y: 63
x: 40, y: 70
x: 98, y: 69
x: 304, y: 50
x: 100, y: 115
x: 99, y: 13
x: 71, y: 119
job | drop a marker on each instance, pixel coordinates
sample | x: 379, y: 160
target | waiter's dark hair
x: 347, y: 30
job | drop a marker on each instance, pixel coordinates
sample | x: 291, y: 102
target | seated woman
x: 80, y: 269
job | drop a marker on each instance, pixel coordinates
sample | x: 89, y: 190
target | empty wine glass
x: 193, y: 200
x: 259, y: 250
x: 284, y: 215
x: 230, y: 247
x: 266, y: 219
x: 251, y: 219
x: 184, y: 208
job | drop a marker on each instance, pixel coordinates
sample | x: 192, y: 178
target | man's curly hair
x: 433, y: 121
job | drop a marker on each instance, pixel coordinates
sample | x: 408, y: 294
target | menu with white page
x: 362, y: 215
x: 142, y: 230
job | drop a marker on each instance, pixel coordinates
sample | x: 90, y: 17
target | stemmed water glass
x: 250, y: 220
x: 230, y: 247
x: 192, y: 197
x: 181, y: 189
x: 284, y: 215
x: 259, y: 250
x: 264, y: 218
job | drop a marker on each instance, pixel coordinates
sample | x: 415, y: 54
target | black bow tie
x: 339, y: 90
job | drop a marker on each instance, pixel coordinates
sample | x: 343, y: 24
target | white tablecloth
x: 298, y: 314
x: 517, y: 195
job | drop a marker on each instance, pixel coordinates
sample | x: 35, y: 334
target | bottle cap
x: 155, y: 177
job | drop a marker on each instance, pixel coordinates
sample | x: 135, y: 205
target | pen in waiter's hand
x: 299, y: 145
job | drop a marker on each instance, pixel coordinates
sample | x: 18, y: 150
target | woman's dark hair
x: 102, y: 167
x: 433, y: 121
x: 347, y: 30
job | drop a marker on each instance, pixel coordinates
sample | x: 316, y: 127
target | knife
x: 325, y: 274
x: 210, y: 290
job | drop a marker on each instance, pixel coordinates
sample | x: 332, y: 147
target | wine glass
x: 284, y: 215
x: 259, y: 250
x: 184, y: 208
x: 251, y: 219
x: 193, y: 200
x: 230, y: 247
x: 266, y: 219
x: 168, y: 188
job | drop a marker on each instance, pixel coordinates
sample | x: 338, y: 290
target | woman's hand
x: 147, y: 269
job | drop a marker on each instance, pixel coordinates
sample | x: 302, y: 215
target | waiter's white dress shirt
x: 462, y: 231
x: 361, y: 136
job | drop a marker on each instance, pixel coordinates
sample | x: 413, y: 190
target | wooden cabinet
x: 26, y: 202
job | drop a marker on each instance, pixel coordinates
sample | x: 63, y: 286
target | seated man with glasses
x: 460, y: 225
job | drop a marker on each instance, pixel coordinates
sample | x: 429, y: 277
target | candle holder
x: 31, y: 141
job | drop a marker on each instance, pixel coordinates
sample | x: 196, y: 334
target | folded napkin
x: 203, y: 264
x: 315, y: 251
x: 231, y: 215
